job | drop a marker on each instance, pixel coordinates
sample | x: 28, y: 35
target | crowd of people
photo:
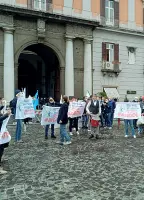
x: 98, y: 112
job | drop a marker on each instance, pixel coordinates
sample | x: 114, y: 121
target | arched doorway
x: 39, y: 69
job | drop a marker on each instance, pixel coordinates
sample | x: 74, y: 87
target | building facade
x: 71, y: 47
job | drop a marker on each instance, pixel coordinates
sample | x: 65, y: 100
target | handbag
x: 94, y: 123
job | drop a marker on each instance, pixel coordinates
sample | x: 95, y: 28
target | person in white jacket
x: 94, y: 110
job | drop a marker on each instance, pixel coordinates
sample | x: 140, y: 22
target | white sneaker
x: 110, y: 127
x: 77, y: 133
x: 71, y: 133
x: 2, y: 171
x: 126, y: 136
x: 89, y: 130
x: 66, y: 143
x: 134, y: 136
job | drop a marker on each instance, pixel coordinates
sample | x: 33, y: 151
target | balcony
x: 111, y: 68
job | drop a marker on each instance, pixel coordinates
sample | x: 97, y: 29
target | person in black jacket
x: 63, y: 120
x: 3, y: 146
x: 52, y: 104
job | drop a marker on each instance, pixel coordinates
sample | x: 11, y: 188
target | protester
x: 135, y: 120
x: 3, y: 146
x: 50, y: 103
x: 140, y: 127
x: 73, y: 123
x: 112, y: 106
x: 94, y: 110
x: 102, y: 111
x: 106, y: 111
x: 89, y: 117
x: 129, y: 123
x: 19, y: 121
x: 85, y: 116
x: 63, y: 120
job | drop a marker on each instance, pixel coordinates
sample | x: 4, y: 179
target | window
x: 109, y: 12
x: 109, y: 52
x: 131, y: 55
x: 40, y: 4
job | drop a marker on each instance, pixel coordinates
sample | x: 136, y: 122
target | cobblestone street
x: 110, y: 168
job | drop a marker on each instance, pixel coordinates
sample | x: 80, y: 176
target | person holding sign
x: 63, y: 120
x: 129, y: 122
x: 52, y: 104
x: 3, y: 142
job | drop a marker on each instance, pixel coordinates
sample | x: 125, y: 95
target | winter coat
x: 63, y: 114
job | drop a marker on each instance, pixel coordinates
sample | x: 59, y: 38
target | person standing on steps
x: 51, y: 103
x: 63, y: 120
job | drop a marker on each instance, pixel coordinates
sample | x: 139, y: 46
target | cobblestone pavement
x: 110, y: 168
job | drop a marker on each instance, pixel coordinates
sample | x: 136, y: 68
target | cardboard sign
x: 49, y: 115
x: 24, y: 108
x: 127, y: 110
x: 76, y: 109
x: 4, y: 134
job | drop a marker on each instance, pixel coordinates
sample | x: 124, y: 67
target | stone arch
x: 53, y: 47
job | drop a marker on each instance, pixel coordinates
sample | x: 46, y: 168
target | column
x: 69, y: 68
x: 8, y: 64
x: 87, y: 67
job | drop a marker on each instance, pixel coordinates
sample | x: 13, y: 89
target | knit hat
x: 17, y: 92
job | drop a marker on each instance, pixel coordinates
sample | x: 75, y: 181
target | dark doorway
x: 39, y: 70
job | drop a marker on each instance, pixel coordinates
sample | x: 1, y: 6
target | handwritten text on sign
x: 49, y: 115
x: 127, y: 110
x: 76, y: 109
x: 24, y: 108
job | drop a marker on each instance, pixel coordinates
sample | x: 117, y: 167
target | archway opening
x: 39, y: 69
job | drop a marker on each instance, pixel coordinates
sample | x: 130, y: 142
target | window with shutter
x: 104, y: 51
x: 116, y: 52
x: 116, y: 13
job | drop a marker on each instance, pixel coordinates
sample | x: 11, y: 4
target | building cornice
x: 123, y: 31
x: 45, y: 15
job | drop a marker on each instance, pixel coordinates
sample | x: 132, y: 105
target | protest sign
x: 49, y: 115
x: 127, y: 110
x: 4, y: 134
x: 76, y: 109
x: 24, y: 108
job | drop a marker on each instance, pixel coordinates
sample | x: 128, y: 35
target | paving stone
x: 110, y: 168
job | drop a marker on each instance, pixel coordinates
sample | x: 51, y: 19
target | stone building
x: 71, y: 47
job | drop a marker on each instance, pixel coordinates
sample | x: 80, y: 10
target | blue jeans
x: 110, y: 119
x: 63, y: 133
x: 18, y: 130
x: 129, y: 122
x: 47, y: 128
x: 84, y: 120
